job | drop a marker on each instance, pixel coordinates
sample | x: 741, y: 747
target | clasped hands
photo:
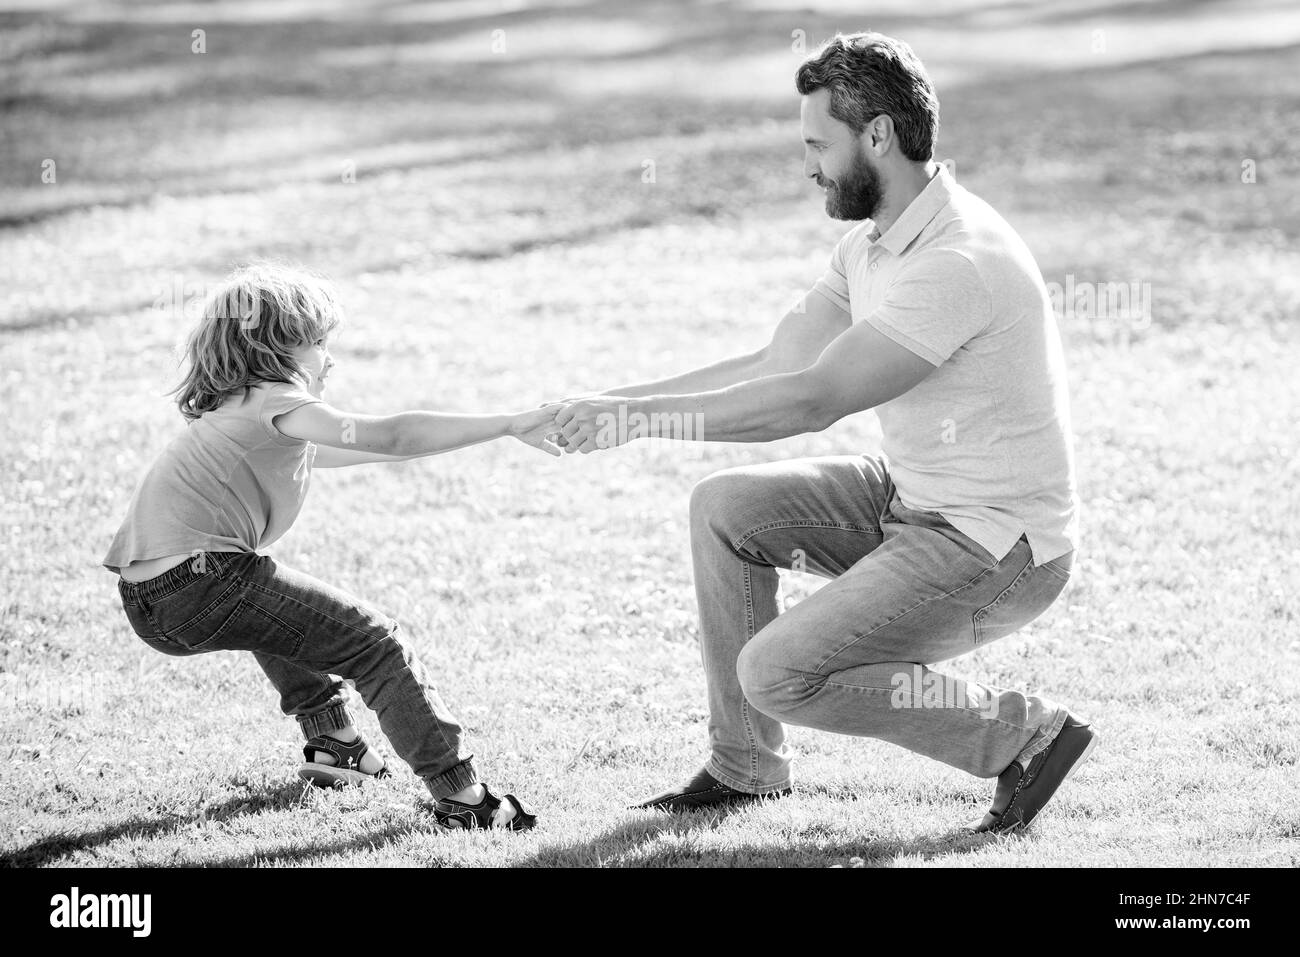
x: 590, y: 423
x: 581, y: 424
x: 584, y: 424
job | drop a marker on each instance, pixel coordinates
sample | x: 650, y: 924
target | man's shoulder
x: 973, y: 219
x: 967, y: 212
x: 972, y: 228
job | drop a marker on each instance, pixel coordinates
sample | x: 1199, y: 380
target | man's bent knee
x: 770, y: 684
x: 722, y: 504
x: 711, y: 494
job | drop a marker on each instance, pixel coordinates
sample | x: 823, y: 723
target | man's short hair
x: 869, y: 74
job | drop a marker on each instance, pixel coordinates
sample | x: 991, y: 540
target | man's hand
x: 598, y: 422
x: 537, y: 428
x: 559, y: 439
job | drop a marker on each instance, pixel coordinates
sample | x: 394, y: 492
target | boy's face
x: 316, y: 361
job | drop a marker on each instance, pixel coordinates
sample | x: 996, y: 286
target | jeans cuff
x: 1042, y: 738
x: 745, y: 787
x: 456, y: 778
x: 331, y: 719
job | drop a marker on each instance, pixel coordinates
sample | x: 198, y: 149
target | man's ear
x: 879, y: 134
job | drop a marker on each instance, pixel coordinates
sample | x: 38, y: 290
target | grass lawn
x: 501, y: 246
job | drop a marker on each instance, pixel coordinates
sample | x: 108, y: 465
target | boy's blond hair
x: 249, y: 329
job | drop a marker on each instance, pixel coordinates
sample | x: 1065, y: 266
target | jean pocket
x: 1030, y: 594
x: 142, y: 622
x: 235, y: 622
x: 146, y: 629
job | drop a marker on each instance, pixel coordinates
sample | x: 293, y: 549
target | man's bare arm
x: 801, y: 336
x: 860, y: 370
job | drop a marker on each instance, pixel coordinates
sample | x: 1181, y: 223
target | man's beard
x: 857, y: 194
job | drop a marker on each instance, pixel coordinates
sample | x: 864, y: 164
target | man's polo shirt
x: 985, y: 439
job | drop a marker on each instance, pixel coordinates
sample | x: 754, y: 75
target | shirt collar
x: 918, y: 214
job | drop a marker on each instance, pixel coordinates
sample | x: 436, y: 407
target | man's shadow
x: 626, y: 845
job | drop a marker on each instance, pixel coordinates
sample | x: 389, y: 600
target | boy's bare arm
x: 411, y: 434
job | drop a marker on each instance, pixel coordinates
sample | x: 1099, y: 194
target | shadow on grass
x: 277, y: 798
x: 635, y: 844
x: 369, y: 841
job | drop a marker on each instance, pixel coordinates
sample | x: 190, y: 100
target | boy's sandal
x: 346, y: 768
x: 458, y: 814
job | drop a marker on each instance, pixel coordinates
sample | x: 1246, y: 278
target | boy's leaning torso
x: 230, y: 482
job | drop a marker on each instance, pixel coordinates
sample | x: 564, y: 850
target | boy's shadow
x: 273, y: 798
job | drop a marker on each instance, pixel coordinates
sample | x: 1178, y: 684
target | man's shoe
x: 703, y: 790
x: 1022, y: 792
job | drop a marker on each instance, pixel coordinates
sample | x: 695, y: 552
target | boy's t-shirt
x: 985, y: 439
x: 230, y: 482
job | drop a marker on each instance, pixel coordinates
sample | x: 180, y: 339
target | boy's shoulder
x: 251, y: 401
x: 248, y: 414
x: 260, y: 392
x: 273, y: 399
x: 268, y: 386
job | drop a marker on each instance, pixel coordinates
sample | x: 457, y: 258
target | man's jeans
x: 908, y: 590
x: 303, y: 633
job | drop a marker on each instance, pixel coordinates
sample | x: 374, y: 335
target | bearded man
x: 934, y: 314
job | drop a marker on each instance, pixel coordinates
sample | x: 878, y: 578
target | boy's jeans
x: 304, y: 632
x: 908, y: 590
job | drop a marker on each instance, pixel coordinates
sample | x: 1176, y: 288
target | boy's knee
x: 377, y: 638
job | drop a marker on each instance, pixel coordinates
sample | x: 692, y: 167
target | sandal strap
x: 524, y: 817
x: 449, y: 812
x: 452, y: 813
x: 346, y: 754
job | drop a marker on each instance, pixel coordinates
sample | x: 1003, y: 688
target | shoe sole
x: 451, y: 824
x: 455, y: 820
x: 680, y: 805
x: 328, y: 776
x: 1078, y: 762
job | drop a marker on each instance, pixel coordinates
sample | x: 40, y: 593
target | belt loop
x: 223, y: 561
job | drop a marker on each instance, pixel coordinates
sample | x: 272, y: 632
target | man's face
x: 838, y: 161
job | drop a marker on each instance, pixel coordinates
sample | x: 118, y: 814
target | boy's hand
x: 537, y: 428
